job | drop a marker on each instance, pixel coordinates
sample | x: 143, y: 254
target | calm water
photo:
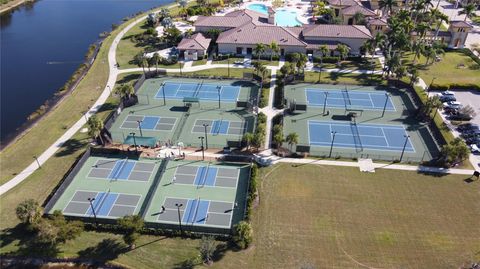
x: 42, y: 44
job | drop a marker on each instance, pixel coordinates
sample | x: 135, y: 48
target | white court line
x: 385, y: 137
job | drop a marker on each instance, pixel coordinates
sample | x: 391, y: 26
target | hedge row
x: 252, y: 191
x: 454, y: 86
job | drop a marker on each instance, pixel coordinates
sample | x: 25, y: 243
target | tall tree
x: 274, y: 49
x: 468, y: 11
x: 29, y: 212
x: 323, y: 51
x: 387, y: 6
x: 343, y: 51
x: 292, y: 139
x: 156, y: 60
x: 248, y: 139
x: 259, y: 49
x: 95, y: 127
x: 207, y: 248
x: 242, y: 234
x: 131, y: 225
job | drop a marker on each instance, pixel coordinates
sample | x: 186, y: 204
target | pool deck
x: 297, y: 5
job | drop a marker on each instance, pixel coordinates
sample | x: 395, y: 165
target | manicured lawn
x: 219, y: 72
x: 41, y: 183
x: 344, y: 78
x: 326, y: 217
x: 353, y: 65
x: 448, y: 70
x: 199, y: 62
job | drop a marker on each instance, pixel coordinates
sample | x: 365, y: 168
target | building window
x: 239, y: 50
x: 461, y: 30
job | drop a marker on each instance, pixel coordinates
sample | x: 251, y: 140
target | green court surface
x: 151, y: 120
x: 359, y: 121
x: 211, y: 196
x: 119, y: 186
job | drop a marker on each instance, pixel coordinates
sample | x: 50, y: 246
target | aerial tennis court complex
x: 178, y: 110
x: 210, y: 196
x: 357, y: 122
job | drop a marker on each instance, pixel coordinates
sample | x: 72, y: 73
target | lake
x: 43, y: 43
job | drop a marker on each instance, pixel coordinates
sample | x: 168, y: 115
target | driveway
x: 471, y: 98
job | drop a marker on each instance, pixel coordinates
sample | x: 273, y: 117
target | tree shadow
x: 107, y: 107
x: 27, y: 244
x: 70, y: 146
x: 129, y: 78
x: 106, y: 250
x: 188, y: 263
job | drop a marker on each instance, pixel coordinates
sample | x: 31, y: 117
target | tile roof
x: 344, y: 3
x: 330, y: 30
x: 195, y: 42
x: 351, y: 10
x: 253, y: 34
x: 377, y: 21
x: 461, y: 24
x: 233, y: 19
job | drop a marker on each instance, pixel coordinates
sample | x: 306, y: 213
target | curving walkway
x: 270, y: 111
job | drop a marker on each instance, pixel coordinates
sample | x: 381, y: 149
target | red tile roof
x: 461, y: 24
x: 351, y: 10
x: 195, y: 42
x: 233, y: 19
x: 329, y: 30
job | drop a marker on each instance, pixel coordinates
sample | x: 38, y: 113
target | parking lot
x: 471, y: 98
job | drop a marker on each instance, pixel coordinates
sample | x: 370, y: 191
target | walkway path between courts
x: 276, y: 159
x: 269, y: 111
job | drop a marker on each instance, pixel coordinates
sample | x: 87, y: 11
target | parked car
x: 450, y: 111
x: 468, y: 126
x: 474, y: 149
x: 452, y: 104
x: 447, y: 93
x: 471, y: 132
x: 461, y: 117
x: 472, y: 140
x: 447, y: 98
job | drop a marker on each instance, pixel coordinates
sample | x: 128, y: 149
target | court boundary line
x: 216, y: 175
x: 151, y: 130
x: 123, y: 180
x: 213, y: 134
x: 207, y: 99
x: 195, y: 224
x: 390, y: 148
x: 374, y: 108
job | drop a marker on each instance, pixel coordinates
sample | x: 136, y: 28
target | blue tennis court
x: 208, y: 92
x: 104, y: 204
x: 121, y: 170
x: 208, y: 176
x: 197, y: 212
x: 365, y: 136
x: 368, y: 100
x: 220, y: 127
x: 153, y: 123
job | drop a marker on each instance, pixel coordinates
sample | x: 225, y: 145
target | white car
x: 452, y: 104
x: 474, y: 149
x: 447, y: 93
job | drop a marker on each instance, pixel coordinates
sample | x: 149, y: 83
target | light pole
x: 203, y: 149
x: 404, y: 145
x: 385, y: 105
x: 36, y: 159
x: 206, y: 137
x: 219, y: 89
x: 109, y: 89
x: 325, y: 102
x: 331, y: 145
x: 90, y: 200
x: 134, y: 142
x: 228, y: 65
x: 181, y: 68
x: 140, y: 127
x: 163, y: 91
x: 179, y: 217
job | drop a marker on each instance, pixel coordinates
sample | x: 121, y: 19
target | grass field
x: 447, y: 70
x: 219, y: 72
x: 326, y: 217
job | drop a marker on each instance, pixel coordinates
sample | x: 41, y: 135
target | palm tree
x: 183, y: 3
x: 274, y: 49
x: 324, y: 51
x: 248, y: 138
x: 440, y: 18
x: 164, y: 13
x: 468, y: 11
x: 29, y: 212
x: 358, y: 18
x: 95, y: 127
x: 125, y: 91
x: 435, y: 104
x: 343, y: 51
x: 302, y: 60
x: 292, y: 139
x: 387, y: 5
x: 155, y: 60
x: 131, y: 225
x: 139, y: 60
x: 259, y: 49
x: 414, y: 74
x: 258, y: 67
x: 433, y: 51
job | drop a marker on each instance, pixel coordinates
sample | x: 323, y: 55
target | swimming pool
x: 283, y: 17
